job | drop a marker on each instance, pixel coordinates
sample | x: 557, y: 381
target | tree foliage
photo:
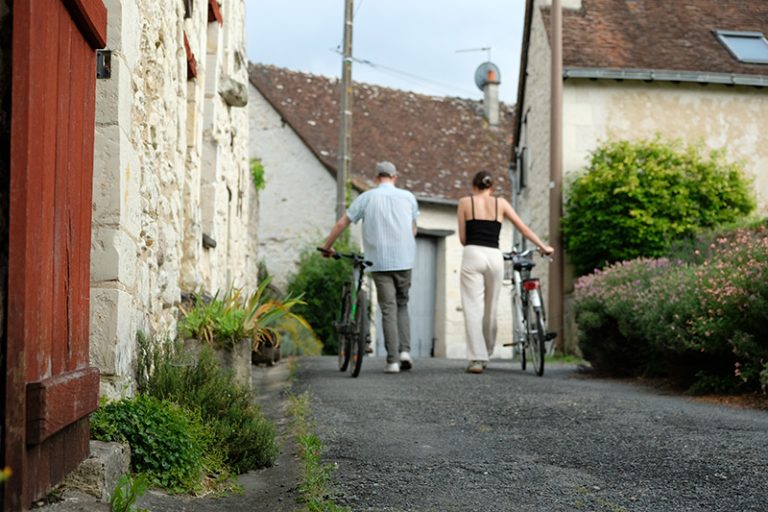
x: 635, y: 198
x: 319, y: 281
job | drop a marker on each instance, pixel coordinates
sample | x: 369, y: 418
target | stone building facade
x: 631, y: 71
x: 437, y: 144
x: 174, y: 203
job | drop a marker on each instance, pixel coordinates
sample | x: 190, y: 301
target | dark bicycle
x: 353, y: 327
x: 529, y: 322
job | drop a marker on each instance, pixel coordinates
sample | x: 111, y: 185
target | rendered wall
x: 533, y: 201
x: 714, y: 116
x: 297, y: 208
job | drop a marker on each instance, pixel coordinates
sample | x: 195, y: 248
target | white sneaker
x: 406, y: 363
x: 392, y: 368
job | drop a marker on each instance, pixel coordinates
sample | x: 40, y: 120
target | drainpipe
x: 556, y: 285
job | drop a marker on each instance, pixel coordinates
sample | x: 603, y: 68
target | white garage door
x: 421, y: 305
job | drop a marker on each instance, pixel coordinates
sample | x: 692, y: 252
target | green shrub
x: 168, y: 444
x: 609, y: 313
x: 244, y: 436
x: 319, y: 281
x: 703, y: 321
x: 635, y: 198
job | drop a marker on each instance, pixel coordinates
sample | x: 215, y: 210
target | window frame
x: 723, y: 35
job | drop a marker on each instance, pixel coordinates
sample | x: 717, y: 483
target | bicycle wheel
x: 342, y: 331
x: 361, y: 333
x: 518, y: 328
x: 536, y: 339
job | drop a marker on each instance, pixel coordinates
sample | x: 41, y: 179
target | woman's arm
x: 512, y: 215
x: 460, y: 217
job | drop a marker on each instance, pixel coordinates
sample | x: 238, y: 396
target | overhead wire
x: 428, y: 83
x: 357, y: 9
x: 434, y: 85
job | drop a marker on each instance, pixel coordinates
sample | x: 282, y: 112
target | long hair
x: 482, y: 180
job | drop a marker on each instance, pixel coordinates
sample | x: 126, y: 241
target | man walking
x: 389, y: 241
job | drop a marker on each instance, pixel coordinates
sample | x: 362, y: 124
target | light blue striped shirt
x: 388, y: 214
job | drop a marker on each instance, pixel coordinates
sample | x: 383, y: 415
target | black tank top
x: 483, y: 232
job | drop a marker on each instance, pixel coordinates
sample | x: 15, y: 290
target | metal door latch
x: 103, y: 63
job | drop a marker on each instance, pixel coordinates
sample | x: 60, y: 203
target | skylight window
x: 747, y: 47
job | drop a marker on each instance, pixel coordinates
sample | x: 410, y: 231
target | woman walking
x: 482, y: 266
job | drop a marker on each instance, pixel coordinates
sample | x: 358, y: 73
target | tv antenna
x: 483, y: 49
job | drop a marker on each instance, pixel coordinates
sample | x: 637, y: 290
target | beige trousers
x: 482, y: 270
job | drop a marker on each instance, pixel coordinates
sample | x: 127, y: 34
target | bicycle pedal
x: 550, y: 336
x: 509, y: 344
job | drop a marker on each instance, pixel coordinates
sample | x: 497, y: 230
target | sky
x: 414, y: 45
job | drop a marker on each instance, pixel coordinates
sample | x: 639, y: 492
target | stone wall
x: 533, y: 201
x: 170, y: 164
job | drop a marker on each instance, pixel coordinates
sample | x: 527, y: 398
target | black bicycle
x: 353, y: 326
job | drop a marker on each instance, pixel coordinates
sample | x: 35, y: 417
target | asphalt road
x: 438, y: 439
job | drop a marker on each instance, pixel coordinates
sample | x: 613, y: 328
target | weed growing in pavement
x: 127, y: 491
x: 316, y: 476
x: 564, y: 359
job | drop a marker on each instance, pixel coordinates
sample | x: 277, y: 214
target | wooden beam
x: 54, y: 403
x: 91, y: 17
x: 191, y: 61
x: 214, y: 12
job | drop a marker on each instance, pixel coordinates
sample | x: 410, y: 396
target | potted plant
x: 219, y: 323
x: 266, y: 316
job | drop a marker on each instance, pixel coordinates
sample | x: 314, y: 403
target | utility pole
x: 556, y: 268
x: 345, y: 116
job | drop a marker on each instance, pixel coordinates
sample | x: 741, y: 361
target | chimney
x: 491, y: 96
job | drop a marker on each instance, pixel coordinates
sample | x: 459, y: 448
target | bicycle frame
x: 529, y: 315
x: 354, y: 285
x: 524, y: 288
x: 352, y: 325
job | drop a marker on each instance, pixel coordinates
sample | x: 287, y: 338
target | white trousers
x: 482, y: 270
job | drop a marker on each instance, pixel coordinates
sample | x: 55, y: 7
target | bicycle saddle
x: 522, y: 263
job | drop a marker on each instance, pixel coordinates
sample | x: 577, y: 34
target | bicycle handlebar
x: 526, y: 254
x: 358, y: 259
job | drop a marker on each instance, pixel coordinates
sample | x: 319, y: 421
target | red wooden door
x: 49, y: 388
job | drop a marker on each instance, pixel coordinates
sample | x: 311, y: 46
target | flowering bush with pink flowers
x: 700, y: 316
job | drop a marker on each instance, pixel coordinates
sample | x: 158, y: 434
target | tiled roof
x: 437, y: 143
x: 675, y: 35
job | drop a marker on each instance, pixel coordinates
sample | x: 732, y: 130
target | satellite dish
x: 487, y: 73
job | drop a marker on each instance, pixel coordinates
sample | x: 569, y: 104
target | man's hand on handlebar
x: 327, y: 253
